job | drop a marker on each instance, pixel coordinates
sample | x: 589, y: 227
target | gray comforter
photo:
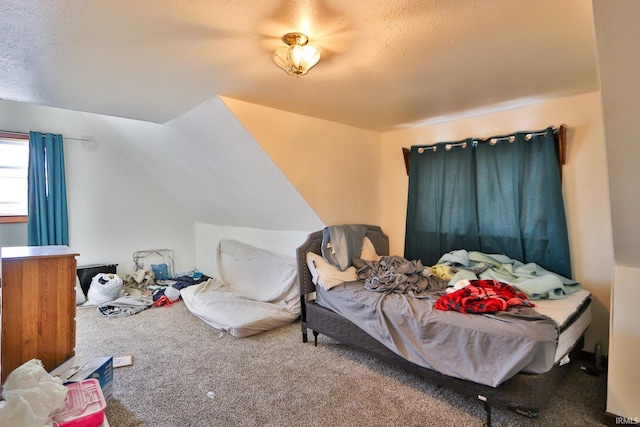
x: 396, y: 274
x: 483, y: 348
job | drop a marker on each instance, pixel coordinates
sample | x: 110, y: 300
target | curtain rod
x: 560, y: 134
x: 25, y: 135
x: 560, y: 131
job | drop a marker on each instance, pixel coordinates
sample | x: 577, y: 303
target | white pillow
x: 326, y: 275
x: 368, y: 252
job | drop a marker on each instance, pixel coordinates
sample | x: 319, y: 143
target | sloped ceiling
x: 238, y: 182
x: 191, y: 161
x: 385, y: 63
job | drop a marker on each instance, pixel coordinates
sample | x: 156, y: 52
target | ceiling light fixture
x: 298, y: 56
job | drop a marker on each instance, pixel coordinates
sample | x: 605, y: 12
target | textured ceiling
x: 385, y: 63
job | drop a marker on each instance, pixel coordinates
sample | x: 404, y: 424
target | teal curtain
x: 47, y: 194
x: 441, y: 207
x: 504, y: 197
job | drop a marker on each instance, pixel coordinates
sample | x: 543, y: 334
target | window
x: 14, y: 161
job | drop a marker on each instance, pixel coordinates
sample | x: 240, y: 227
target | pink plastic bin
x: 83, y: 407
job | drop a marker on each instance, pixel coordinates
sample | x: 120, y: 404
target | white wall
x: 618, y: 45
x: 13, y: 234
x: 215, y: 166
x: 585, y: 184
x: 617, y: 35
x: 623, y: 390
x: 114, y: 209
x: 336, y: 168
x: 135, y: 185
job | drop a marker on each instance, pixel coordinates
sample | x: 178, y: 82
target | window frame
x: 10, y: 219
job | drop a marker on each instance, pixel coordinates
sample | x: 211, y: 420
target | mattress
x: 257, y: 291
x: 235, y: 313
x: 572, y: 314
x: 466, y: 346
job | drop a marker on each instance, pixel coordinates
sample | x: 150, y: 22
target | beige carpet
x: 185, y: 373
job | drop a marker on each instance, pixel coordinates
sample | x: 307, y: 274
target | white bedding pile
x: 257, y: 291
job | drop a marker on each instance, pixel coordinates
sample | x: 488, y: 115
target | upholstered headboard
x: 313, y: 244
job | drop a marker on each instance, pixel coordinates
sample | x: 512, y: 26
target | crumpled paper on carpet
x: 138, y: 283
x: 31, y: 394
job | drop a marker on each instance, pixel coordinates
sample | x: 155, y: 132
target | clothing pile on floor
x: 115, y: 297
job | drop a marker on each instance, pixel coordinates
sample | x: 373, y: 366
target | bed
x: 525, y: 391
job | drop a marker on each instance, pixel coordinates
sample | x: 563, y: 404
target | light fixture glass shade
x: 297, y: 58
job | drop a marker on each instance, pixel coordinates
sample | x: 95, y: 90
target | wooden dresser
x: 38, y: 306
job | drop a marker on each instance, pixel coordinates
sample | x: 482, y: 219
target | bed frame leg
x: 304, y: 333
x: 487, y: 409
x: 315, y: 338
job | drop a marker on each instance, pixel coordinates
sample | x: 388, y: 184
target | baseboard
x: 612, y: 420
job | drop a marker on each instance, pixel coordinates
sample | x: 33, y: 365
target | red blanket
x: 483, y: 296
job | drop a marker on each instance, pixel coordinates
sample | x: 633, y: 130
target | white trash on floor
x: 31, y: 395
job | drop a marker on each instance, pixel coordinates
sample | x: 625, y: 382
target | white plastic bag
x: 105, y: 287
x: 80, y: 298
x: 31, y: 396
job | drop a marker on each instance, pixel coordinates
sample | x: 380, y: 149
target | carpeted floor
x: 185, y: 373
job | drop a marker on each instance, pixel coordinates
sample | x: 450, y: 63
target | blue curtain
x: 441, y: 208
x: 503, y: 196
x: 47, y: 194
